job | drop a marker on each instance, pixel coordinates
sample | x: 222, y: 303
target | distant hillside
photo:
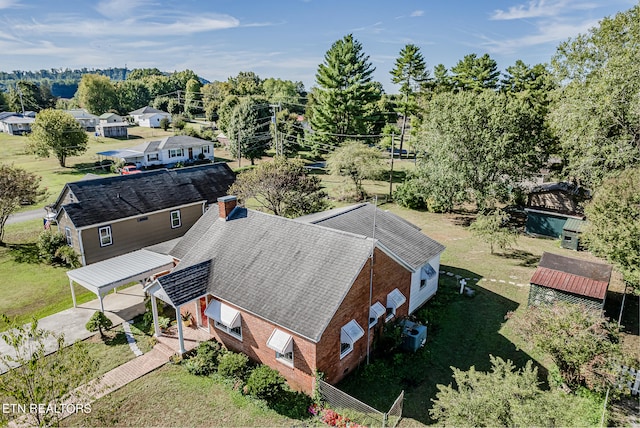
x: 63, y: 82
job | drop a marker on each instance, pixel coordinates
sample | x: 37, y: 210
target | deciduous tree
x: 358, y: 162
x: 33, y: 377
x: 596, y: 113
x: 344, y: 100
x: 16, y: 186
x: 613, y: 230
x: 97, y: 94
x: 583, y: 344
x: 505, y: 397
x: 132, y: 95
x: 99, y: 321
x: 58, y: 132
x: 493, y: 228
x: 282, y: 187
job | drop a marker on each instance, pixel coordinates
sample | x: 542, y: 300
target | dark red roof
x: 573, y: 275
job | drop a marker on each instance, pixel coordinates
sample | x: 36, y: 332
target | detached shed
x: 571, y: 280
x: 571, y: 233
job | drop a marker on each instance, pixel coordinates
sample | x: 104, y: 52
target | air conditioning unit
x: 414, y: 335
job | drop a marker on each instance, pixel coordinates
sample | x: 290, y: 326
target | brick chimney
x: 226, y: 204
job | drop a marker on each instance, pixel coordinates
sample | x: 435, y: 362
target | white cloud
x: 548, y: 32
x: 8, y: 4
x: 417, y: 13
x: 73, y: 25
x: 540, y: 9
x: 119, y: 8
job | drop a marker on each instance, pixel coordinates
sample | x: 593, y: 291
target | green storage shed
x: 571, y: 234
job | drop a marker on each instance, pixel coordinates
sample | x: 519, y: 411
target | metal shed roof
x: 106, y: 275
x: 574, y: 225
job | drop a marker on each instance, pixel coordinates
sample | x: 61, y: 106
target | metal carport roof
x: 104, y: 276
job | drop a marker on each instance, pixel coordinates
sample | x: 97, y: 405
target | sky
x: 285, y: 39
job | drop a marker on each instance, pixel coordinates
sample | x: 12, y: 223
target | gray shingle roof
x: 291, y: 273
x: 114, y: 198
x: 145, y: 110
x: 187, y: 284
x: 403, y: 239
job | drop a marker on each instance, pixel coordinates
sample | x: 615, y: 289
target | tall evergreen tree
x: 410, y: 72
x: 345, y: 99
x: 475, y: 73
x: 248, y: 129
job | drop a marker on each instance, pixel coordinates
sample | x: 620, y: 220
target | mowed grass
x: 54, y: 177
x: 170, y: 396
x: 30, y: 288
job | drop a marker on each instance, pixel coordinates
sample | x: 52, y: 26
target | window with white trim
x: 225, y: 318
x: 395, y: 299
x: 349, y: 335
x: 282, y: 343
x: 176, y: 153
x: 206, y: 150
x: 375, y: 311
x: 153, y: 157
x: 426, y: 274
x: 67, y: 234
x: 105, y: 236
x: 175, y: 219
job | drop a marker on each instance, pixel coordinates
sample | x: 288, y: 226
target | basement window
x: 395, y: 299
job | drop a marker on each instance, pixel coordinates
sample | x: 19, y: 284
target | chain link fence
x: 356, y: 410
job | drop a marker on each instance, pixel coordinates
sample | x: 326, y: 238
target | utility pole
x: 274, y: 120
x: 238, y: 147
x: 391, y: 172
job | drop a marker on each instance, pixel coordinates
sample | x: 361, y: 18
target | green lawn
x: 170, y: 396
x: 54, y: 177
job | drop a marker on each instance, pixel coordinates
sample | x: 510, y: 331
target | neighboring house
x: 107, y: 217
x: 113, y: 129
x: 149, y: 116
x: 395, y: 236
x: 87, y: 120
x: 16, y: 124
x: 296, y: 296
x: 110, y: 118
x: 560, y: 278
x: 153, y: 120
x: 550, y: 205
x: 223, y: 139
x: 168, y: 151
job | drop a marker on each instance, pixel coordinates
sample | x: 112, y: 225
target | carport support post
x: 180, y: 337
x: 101, y: 302
x: 73, y: 293
x: 154, y: 311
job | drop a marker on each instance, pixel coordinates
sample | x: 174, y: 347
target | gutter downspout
x: 84, y: 261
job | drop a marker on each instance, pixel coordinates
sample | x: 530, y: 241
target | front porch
x: 191, y: 337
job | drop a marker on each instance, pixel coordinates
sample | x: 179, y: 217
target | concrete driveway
x: 119, y: 307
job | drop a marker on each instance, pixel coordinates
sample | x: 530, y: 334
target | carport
x: 102, y: 277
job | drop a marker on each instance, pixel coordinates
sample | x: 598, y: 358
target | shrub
x: 164, y: 123
x: 99, y: 321
x: 205, y: 361
x: 179, y: 123
x: 409, y: 195
x: 48, y: 244
x: 265, y: 383
x: 234, y: 365
x: 67, y: 256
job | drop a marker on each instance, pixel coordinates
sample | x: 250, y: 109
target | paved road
x: 26, y: 216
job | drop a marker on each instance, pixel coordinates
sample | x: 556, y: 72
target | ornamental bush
x: 48, y: 244
x: 205, y: 361
x: 233, y: 365
x: 265, y: 383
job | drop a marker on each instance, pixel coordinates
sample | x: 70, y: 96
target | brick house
x: 103, y: 218
x: 296, y: 296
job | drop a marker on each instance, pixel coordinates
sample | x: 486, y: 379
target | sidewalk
x: 119, y: 307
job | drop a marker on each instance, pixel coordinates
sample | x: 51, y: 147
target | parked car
x: 129, y: 169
